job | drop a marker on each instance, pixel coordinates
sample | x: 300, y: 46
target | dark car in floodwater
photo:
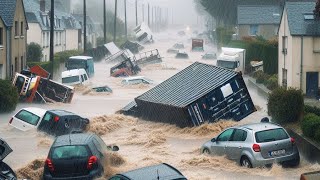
x: 5, y: 171
x: 182, y: 55
x: 60, y: 122
x: 161, y: 171
x: 76, y: 156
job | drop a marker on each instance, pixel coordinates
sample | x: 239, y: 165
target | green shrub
x: 285, y: 106
x: 63, y: 56
x: 34, y: 52
x: 310, y: 124
x: 272, y: 82
x: 317, y: 135
x: 261, y: 77
x: 8, y: 96
x: 312, y: 109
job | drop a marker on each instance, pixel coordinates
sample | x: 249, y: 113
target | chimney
x: 42, y: 5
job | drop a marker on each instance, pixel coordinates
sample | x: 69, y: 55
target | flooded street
x: 141, y: 142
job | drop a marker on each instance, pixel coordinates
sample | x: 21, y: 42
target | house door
x: 312, y: 84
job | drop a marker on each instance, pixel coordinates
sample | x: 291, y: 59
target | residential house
x: 66, y: 28
x: 258, y: 20
x: 91, y: 32
x: 13, y: 32
x: 299, y: 48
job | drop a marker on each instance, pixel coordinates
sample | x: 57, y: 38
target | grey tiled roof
x: 188, y: 85
x: 34, y: 15
x: 7, y: 11
x: 255, y: 14
x: 297, y: 23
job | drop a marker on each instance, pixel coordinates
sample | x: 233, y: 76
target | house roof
x: 34, y: 15
x: 298, y: 25
x: 188, y: 85
x: 7, y: 11
x: 258, y: 14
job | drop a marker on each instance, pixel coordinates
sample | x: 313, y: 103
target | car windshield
x: 70, y: 152
x: 271, y: 135
x: 227, y: 64
x: 70, y: 79
x: 28, y: 117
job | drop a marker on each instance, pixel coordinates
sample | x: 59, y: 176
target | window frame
x: 242, y: 139
x: 1, y: 37
x: 16, y: 28
x: 251, y: 29
x: 21, y: 29
x: 218, y: 140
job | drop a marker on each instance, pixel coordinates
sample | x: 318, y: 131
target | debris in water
x: 33, y: 170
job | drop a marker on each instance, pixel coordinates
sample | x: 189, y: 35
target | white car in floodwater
x: 27, y: 118
x: 74, y: 77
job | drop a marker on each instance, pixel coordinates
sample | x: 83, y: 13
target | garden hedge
x: 285, y: 105
x: 8, y: 96
x: 310, y: 125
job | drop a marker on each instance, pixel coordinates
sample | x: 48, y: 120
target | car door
x: 236, y: 144
x: 4, y: 149
x: 25, y: 120
x: 48, y: 123
x: 219, y: 146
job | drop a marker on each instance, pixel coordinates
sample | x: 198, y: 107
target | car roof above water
x: 259, y: 126
x: 62, y: 112
x: 73, y: 139
x: 163, y: 171
x: 80, y: 57
x: 37, y: 111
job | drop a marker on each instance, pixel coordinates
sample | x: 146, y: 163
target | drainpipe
x: 301, y: 64
x: 8, y: 49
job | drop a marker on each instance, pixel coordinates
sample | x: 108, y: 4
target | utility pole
x: 104, y: 23
x: 125, y: 19
x: 115, y: 21
x: 136, y: 12
x: 84, y: 26
x: 152, y: 23
x: 142, y: 12
x: 148, y: 15
x: 51, y: 36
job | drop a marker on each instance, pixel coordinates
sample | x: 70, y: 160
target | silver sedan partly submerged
x: 255, y: 145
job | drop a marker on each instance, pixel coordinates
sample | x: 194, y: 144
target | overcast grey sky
x: 184, y: 12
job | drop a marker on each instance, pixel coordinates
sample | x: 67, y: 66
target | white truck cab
x: 229, y: 62
x: 232, y: 58
x: 74, y: 77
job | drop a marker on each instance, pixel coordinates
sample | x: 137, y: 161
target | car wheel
x: 245, y: 162
x: 206, y: 151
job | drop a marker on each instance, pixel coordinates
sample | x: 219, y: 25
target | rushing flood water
x: 142, y: 143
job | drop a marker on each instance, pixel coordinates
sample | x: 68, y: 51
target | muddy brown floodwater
x: 141, y: 142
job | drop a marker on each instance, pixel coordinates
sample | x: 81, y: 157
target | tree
x: 34, y: 52
x: 8, y: 96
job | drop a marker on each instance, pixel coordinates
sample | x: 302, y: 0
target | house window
x: 48, y: 39
x: 60, y: 38
x: 43, y: 39
x: 57, y: 39
x: 22, y: 65
x: 16, y: 64
x: 21, y: 28
x: 1, y: 36
x: 284, y: 44
x: 1, y: 71
x: 316, y: 44
x: 284, y: 77
x: 254, y: 30
x: 16, y: 28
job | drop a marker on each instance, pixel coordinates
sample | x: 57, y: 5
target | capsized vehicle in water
x: 182, y: 55
x: 74, y: 77
x: 35, y: 88
x: 81, y: 62
x: 136, y: 80
x: 143, y: 33
x: 124, y: 68
x: 148, y: 57
x: 5, y: 170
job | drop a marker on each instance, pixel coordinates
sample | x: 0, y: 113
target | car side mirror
x: 213, y: 140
